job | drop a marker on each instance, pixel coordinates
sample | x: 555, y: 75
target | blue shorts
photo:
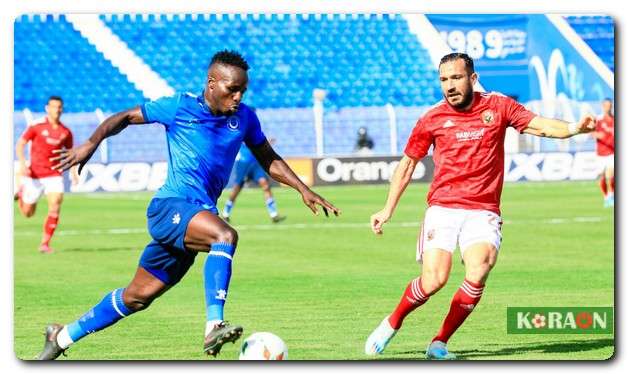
x: 251, y: 170
x: 166, y: 257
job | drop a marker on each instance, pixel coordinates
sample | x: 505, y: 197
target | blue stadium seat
x: 53, y: 58
x: 599, y: 33
x: 361, y: 61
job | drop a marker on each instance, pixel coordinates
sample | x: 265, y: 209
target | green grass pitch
x: 322, y: 284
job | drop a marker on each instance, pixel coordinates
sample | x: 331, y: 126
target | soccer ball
x: 263, y: 346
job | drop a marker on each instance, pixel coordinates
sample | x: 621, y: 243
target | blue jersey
x: 202, y: 147
x: 245, y: 155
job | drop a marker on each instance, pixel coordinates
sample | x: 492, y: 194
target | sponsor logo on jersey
x: 488, y: 117
x: 233, y: 123
x: 463, y: 136
x: 53, y: 141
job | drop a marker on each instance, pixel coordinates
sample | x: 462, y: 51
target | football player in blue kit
x: 204, y: 133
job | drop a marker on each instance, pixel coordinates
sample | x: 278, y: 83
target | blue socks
x: 110, y: 310
x: 217, y: 273
x: 272, y: 208
x: 228, y: 206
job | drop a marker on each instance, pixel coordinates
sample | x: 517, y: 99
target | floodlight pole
x: 319, y: 97
x: 392, y: 123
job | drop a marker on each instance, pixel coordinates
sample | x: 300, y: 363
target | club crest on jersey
x: 488, y: 117
x: 45, y: 133
x: 233, y: 123
x: 430, y: 235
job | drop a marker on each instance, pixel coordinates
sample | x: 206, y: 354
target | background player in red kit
x: 45, y: 135
x: 605, y: 140
x: 467, y: 131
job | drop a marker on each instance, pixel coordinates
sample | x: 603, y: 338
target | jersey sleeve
x: 254, y: 135
x: 162, y: 110
x: 420, y: 141
x: 69, y: 141
x: 29, y: 134
x: 516, y: 114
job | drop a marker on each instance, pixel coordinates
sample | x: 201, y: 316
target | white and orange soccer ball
x: 263, y: 346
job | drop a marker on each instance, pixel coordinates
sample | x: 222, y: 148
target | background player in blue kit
x: 204, y: 134
x: 247, y: 168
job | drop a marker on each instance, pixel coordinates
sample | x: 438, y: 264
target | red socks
x: 49, y: 227
x: 412, y: 298
x: 611, y: 183
x: 603, y: 186
x: 462, y: 305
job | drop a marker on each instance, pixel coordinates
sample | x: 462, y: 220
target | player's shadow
x: 100, y: 249
x: 569, y: 346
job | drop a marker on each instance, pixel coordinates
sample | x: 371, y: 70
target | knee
x: 433, y: 281
x: 28, y: 213
x: 227, y: 235
x: 137, y: 300
x: 479, y: 273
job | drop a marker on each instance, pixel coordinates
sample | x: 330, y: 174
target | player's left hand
x: 586, y: 124
x: 312, y: 199
x: 75, y: 156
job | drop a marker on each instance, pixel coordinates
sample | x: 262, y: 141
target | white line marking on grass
x: 302, y: 226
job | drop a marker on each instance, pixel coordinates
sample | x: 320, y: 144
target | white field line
x: 305, y: 226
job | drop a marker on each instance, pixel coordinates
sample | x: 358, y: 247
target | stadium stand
x: 599, y: 33
x: 52, y: 58
x: 364, y: 62
x: 360, y: 61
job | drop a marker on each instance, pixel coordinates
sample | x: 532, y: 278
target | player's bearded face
x: 457, y: 83
x: 226, y: 87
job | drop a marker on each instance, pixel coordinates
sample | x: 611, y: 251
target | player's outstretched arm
x: 110, y: 126
x: 554, y: 128
x: 279, y: 170
x: 400, y: 180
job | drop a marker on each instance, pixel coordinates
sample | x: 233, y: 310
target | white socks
x: 209, y: 325
x: 63, y: 338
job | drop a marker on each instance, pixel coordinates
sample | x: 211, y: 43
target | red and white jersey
x: 468, y: 149
x: 45, y: 138
x: 606, y: 126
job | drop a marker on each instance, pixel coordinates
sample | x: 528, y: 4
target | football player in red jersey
x: 45, y: 135
x: 466, y: 131
x: 604, y: 135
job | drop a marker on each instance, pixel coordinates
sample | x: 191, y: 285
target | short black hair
x: 55, y: 98
x: 608, y: 99
x: 231, y: 58
x: 468, y: 61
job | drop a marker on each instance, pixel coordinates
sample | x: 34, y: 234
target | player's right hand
x: 377, y: 221
x: 75, y: 156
